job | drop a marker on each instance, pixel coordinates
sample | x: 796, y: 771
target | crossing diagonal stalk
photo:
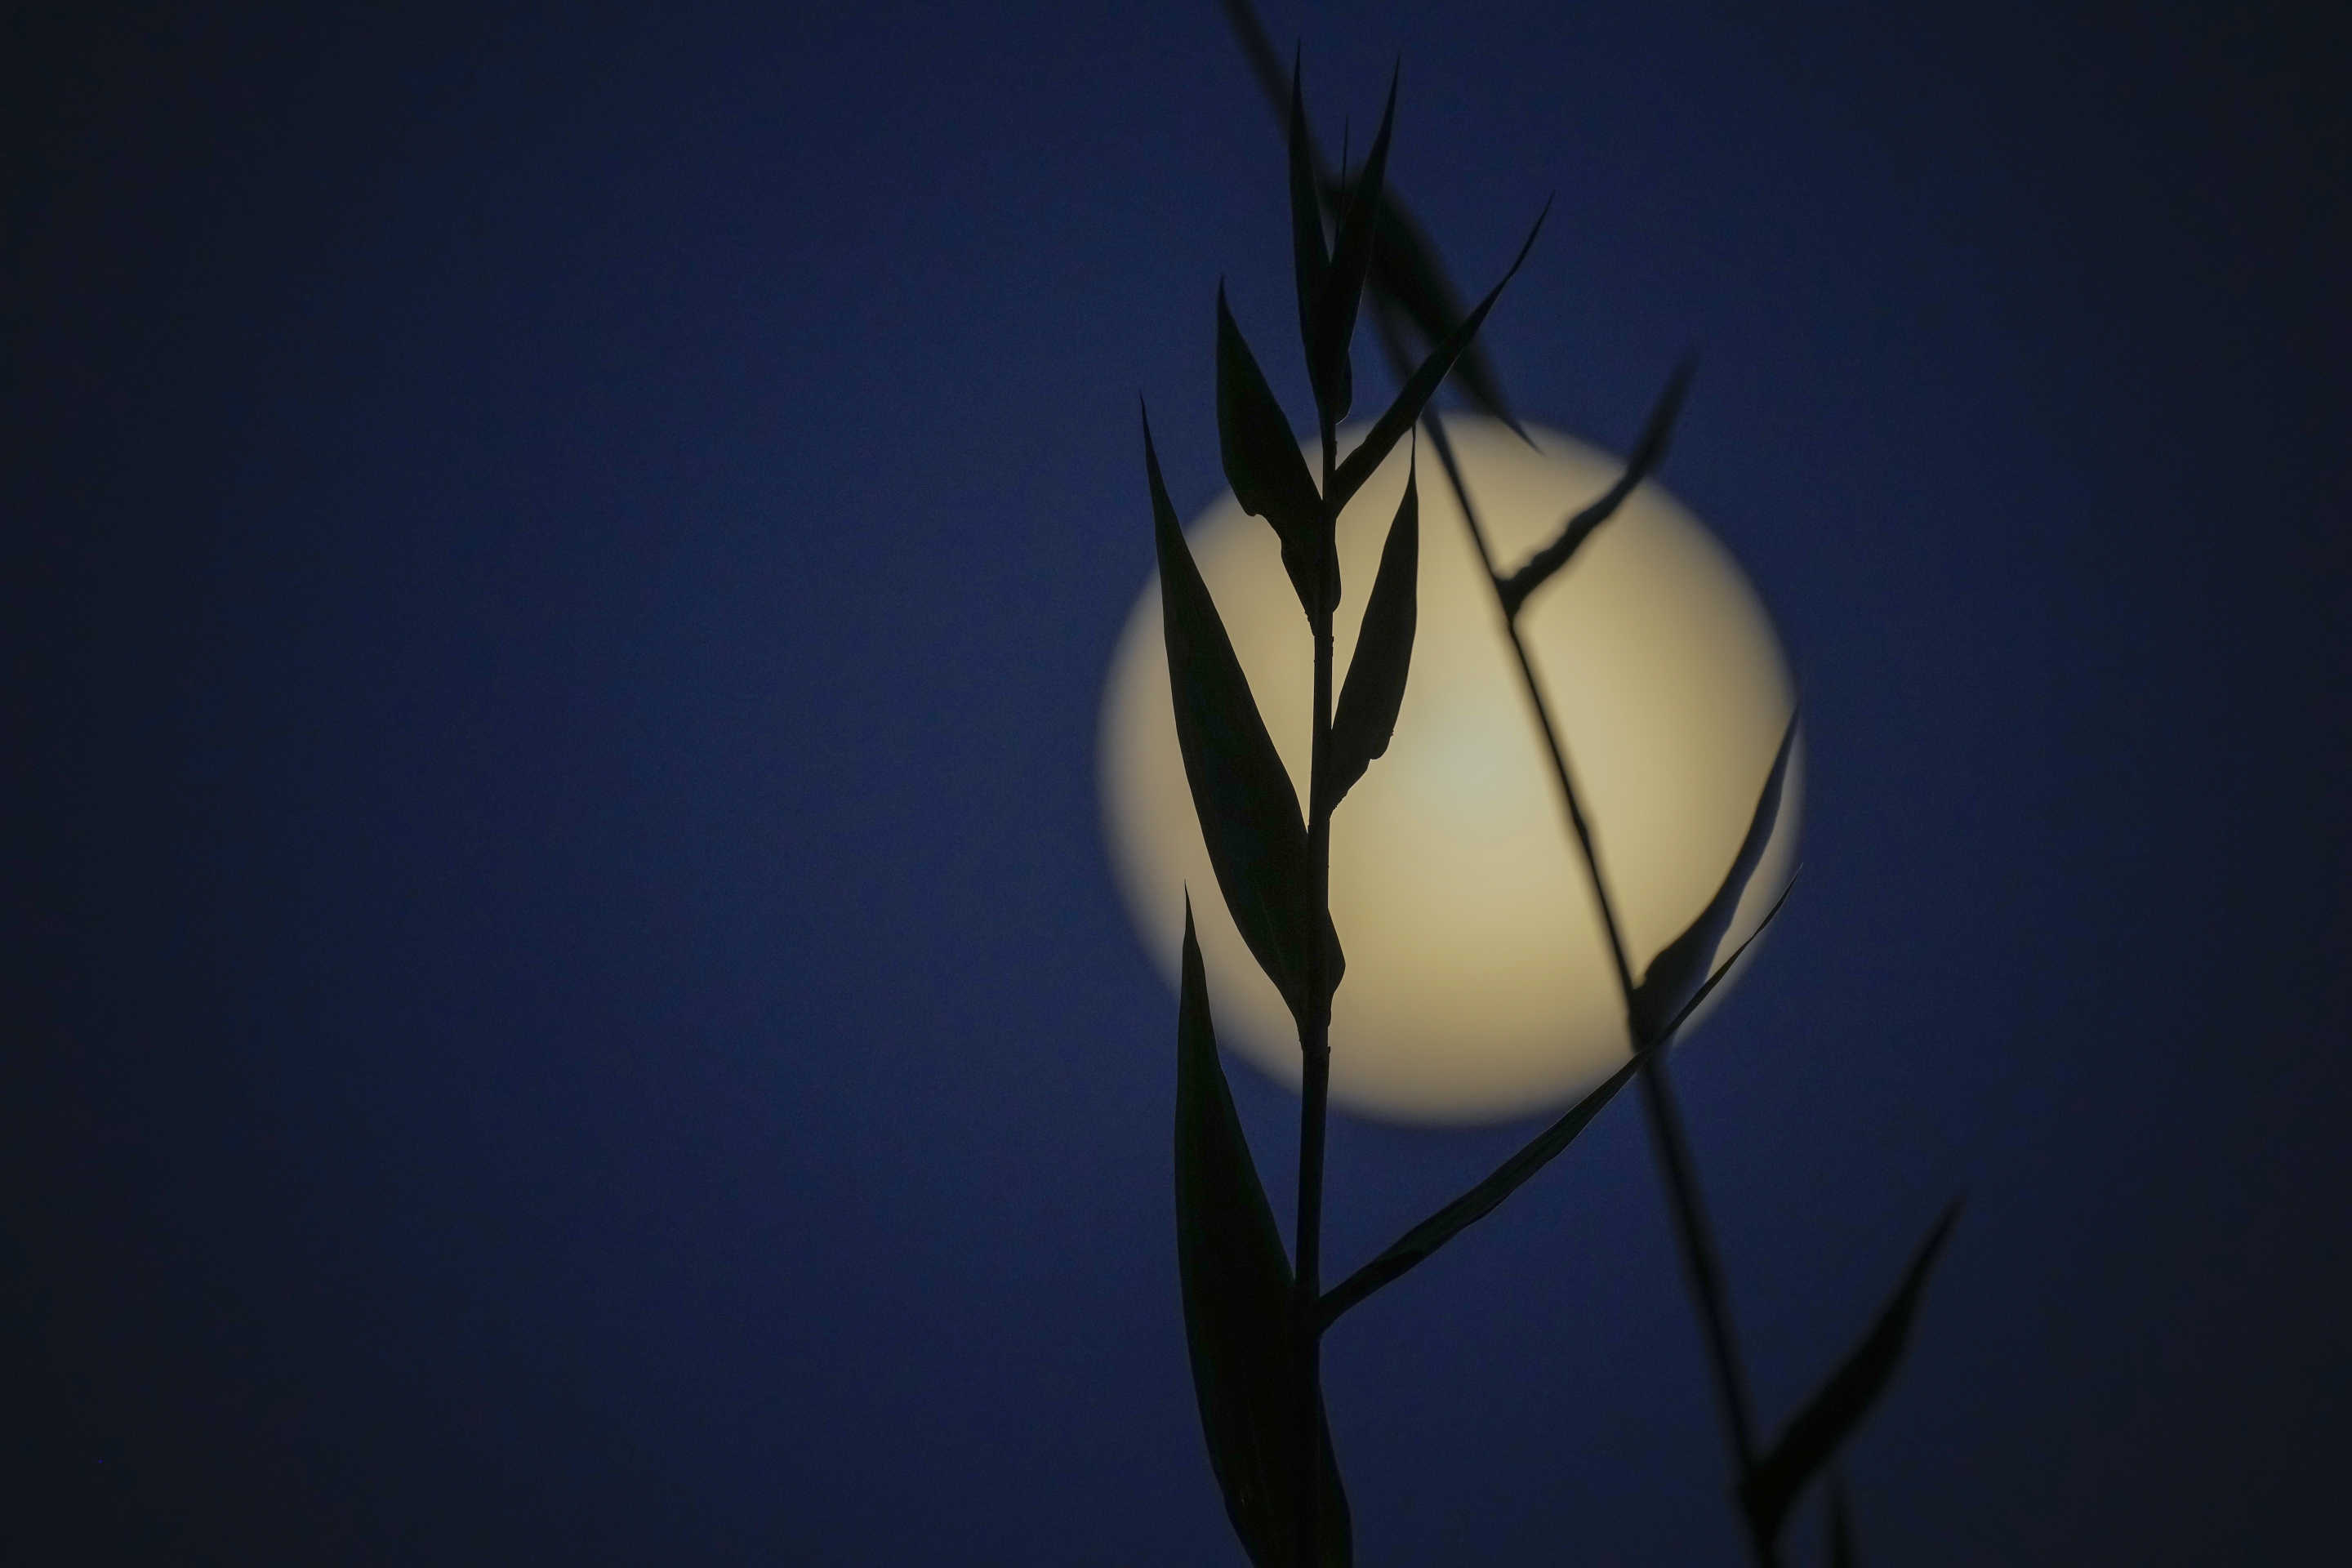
x: 1701, y: 1264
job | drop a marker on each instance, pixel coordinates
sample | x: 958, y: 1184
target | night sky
x: 568, y: 1002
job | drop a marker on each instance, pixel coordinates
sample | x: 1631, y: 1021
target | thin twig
x: 1699, y: 1257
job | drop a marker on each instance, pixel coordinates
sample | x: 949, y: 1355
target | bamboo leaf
x: 1334, y: 325
x: 1682, y: 964
x: 1248, y: 811
x: 1405, y: 273
x: 1402, y: 412
x: 1417, y: 1245
x: 1309, y: 260
x: 1237, y: 1285
x: 1774, y: 1485
x: 1648, y: 453
x: 1366, y: 717
x: 1263, y: 465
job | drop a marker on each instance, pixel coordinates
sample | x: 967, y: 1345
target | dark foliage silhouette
x: 1255, y: 1318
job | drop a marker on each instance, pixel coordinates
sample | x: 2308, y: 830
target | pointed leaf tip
x: 1415, y: 1245
x: 1408, y: 283
x: 1682, y: 964
x: 1332, y: 326
x: 1723, y: 971
x: 1649, y: 450
x: 1365, y: 719
x: 1405, y: 269
x: 1404, y: 411
x: 1263, y: 462
x: 1773, y: 1486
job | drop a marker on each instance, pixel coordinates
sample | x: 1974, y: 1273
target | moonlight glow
x: 1478, y: 982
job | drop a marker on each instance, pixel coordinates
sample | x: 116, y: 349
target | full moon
x: 1478, y: 984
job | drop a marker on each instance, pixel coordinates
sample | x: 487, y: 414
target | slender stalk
x: 1700, y: 1262
x: 1698, y: 1251
x: 1315, y: 1044
x: 1699, y: 1259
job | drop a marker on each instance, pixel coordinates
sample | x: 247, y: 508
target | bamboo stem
x: 1701, y: 1265
x: 1314, y: 1043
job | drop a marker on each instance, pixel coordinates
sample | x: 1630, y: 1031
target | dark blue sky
x: 568, y: 1003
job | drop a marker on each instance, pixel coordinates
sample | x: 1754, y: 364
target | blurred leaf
x: 1455, y: 1217
x: 1263, y: 465
x: 1722, y: 971
x: 1308, y: 258
x: 1236, y: 1285
x: 1334, y: 326
x: 1780, y: 1476
x: 1367, y: 713
x: 1840, y: 1526
x: 1248, y: 811
x: 1258, y: 48
x: 1406, y: 272
x: 1682, y: 964
x: 1647, y: 452
x: 1415, y: 395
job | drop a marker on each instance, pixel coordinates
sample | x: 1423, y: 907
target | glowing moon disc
x: 1478, y: 983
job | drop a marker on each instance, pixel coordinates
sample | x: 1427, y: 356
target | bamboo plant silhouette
x: 1254, y: 1325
